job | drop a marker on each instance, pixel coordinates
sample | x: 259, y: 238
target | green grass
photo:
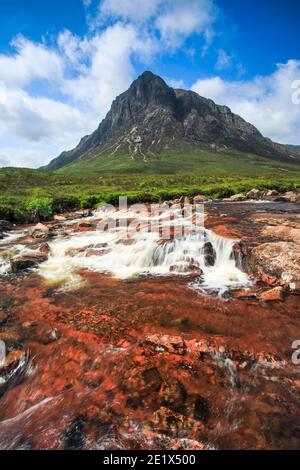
x: 27, y: 195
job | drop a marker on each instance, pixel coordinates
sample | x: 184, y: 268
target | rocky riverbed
x: 149, y: 344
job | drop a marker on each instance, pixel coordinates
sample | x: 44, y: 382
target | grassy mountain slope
x: 185, y: 160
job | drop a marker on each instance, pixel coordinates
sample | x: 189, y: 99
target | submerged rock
x: 165, y: 343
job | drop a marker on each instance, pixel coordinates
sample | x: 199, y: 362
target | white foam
x: 145, y: 254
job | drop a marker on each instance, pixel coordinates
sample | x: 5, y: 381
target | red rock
x: 172, y: 394
x: 174, y: 423
x: 165, y: 343
x: 272, y: 295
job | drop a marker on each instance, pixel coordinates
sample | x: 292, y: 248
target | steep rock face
x: 151, y: 117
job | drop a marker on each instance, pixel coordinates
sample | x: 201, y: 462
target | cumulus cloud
x: 86, y: 74
x: 31, y: 61
x: 179, y: 20
x: 51, y: 95
x: 110, y: 70
x: 174, y: 20
x: 265, y: 101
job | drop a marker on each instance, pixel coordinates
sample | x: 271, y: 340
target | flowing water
x: 144, y: 253
x: 131, y: 339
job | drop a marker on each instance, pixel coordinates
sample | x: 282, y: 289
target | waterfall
x: 144, y: 253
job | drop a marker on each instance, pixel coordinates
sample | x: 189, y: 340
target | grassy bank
x: 28, y: 195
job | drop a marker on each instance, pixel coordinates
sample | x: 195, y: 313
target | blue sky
x: 63, y: 62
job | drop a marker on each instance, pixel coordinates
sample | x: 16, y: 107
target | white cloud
x: 111, y: 70
x: 31, y: 61
x: 95, y: 71
x: 265, y: 101
x: 133, y: 10
x: 50, y: 96
x: 179, y: 20
x: 174, y: 20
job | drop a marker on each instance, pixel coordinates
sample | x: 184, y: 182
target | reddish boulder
x: 276, y: 294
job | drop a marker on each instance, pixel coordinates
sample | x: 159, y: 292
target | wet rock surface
x: 28, y: 261
x: 149, y: 363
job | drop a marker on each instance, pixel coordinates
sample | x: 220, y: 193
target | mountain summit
x: 151, y: 119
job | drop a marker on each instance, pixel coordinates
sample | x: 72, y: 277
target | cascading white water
x: 143, y: 253
x: 224, y: 274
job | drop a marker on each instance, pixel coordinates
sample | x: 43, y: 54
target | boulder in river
x: 28, y: 261
x: 272, y: 193
x: 209, y: 254
x: 237, y: 198
x: 200, y: 199
x: 40, y: 232
x: 271, y: 295
x: 254, y: 194
x: 276, y: 263
x: 290, y: 196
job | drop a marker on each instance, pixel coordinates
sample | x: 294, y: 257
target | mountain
x: 152, y: 123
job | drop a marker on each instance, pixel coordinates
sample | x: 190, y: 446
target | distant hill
x: 153, y: 128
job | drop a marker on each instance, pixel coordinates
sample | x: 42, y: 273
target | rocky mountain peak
x: 151, y: 117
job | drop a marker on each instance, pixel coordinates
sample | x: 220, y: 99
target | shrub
x: 65, y: 203
x: 39, y: 208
